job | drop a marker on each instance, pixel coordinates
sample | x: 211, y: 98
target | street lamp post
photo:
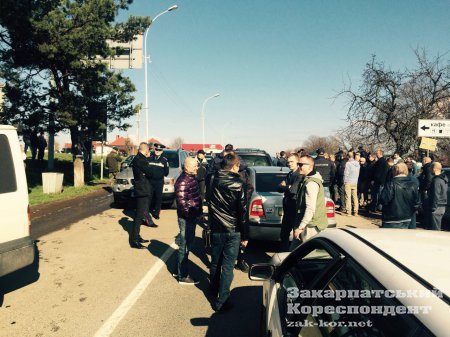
x: 203, y: 117
x: 147, y: 60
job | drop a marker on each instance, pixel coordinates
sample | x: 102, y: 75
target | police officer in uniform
x: 160, y: 167
x: 142, y: 172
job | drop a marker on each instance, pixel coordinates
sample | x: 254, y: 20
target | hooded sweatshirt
x: 351, y: 172
x: 438, y: 191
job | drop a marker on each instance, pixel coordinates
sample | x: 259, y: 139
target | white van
x: 16, y: 245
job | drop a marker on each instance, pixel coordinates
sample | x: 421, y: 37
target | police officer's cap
x: 159, y: 147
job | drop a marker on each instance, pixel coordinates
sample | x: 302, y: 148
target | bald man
x: 437, y: 197
x: 189, y: 208
x: 311, y: 217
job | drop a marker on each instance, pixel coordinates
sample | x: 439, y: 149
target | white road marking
x: 113, y: 321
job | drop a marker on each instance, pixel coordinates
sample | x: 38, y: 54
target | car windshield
x: 269, y: 182
x: 255, y: 160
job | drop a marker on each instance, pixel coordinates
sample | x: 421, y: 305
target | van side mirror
x: 261, y: 272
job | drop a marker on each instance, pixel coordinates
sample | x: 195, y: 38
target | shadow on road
x: 241, y: 320
x: 157, y: 249
x: 20, y: 278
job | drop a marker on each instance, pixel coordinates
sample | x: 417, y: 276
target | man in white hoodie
x: 351, y: 174
x: 311, y: 214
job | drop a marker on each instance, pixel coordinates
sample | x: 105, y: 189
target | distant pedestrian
x: 341, y: 160
x: 425, y: 178
x: 113, y: 160
x: 414, y: 167
x: 34, y: 143
x: 311, y: 217
x: 189, y: 209
x: 413, y: 224
x: 380, y: 170
x: 160, y: 170
x: 326, y: 169
x: 26, y: 140
x: 42, y: 144
x: 363, y: 182
x: 437, y: 197
x: 351, y: 174
x: 282, y: 161
x: 201, y: 172
x: 289, y: 186
x: 399, y: 199
x: 229, y: 229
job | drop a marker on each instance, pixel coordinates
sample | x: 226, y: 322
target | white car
x: 359, y: 282
x: 16, y: 246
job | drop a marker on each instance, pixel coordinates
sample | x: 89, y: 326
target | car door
x: 303, y: 269
x: 344, y: 306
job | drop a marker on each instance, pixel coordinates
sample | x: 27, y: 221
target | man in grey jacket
x: 437, y: 195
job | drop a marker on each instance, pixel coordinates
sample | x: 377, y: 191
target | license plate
x: 269, y: 210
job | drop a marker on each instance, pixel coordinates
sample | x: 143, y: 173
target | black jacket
x: 438, y: 191
x: 340, y: 168
x: 202, y: 170
x: 426, y: 177
x: 326, y: 168
x: 142, y: 172
x: 380, y: 170
x: 399, y: 197
x: 363, y: 178
x: 227, y: 206
x: 160, y: 167
x: 292, y: 181
x: 282, y: 162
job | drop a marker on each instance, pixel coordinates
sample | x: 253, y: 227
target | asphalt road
x: 87, y: 281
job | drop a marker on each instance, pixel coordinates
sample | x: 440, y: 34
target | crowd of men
x: 395, y: 187
x: 392, y: 186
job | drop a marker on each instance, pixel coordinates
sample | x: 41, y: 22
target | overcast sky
x: 277, y: 64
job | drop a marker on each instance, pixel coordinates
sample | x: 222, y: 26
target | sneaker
x: 187, y: 281
x: 242, y: 266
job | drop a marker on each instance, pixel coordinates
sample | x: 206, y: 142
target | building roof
x: 196, y: 147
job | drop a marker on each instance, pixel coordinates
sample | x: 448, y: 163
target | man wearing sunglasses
x: 311, y: 217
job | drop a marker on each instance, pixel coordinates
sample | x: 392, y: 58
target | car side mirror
x: 261, y: 272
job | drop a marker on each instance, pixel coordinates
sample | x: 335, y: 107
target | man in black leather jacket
x: 399, y: 198
x: 142, y: 172
x: 326, y: 169
x: 229, y: 230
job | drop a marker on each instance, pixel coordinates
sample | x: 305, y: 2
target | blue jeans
x: 224, y: 252
x: 184, y: 240
x: 402, y: 225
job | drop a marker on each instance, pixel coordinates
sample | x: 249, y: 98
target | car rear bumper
x: 261, y: 232
x: 16, y: 254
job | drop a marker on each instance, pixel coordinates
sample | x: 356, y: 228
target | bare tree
x: 330, y: 144
x: 129, y: 146
x: 176, y: 143
x: 386, y: 107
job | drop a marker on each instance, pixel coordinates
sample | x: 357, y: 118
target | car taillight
x: 29, y: 220
x: 256, y: 208
x: 330, y: 209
